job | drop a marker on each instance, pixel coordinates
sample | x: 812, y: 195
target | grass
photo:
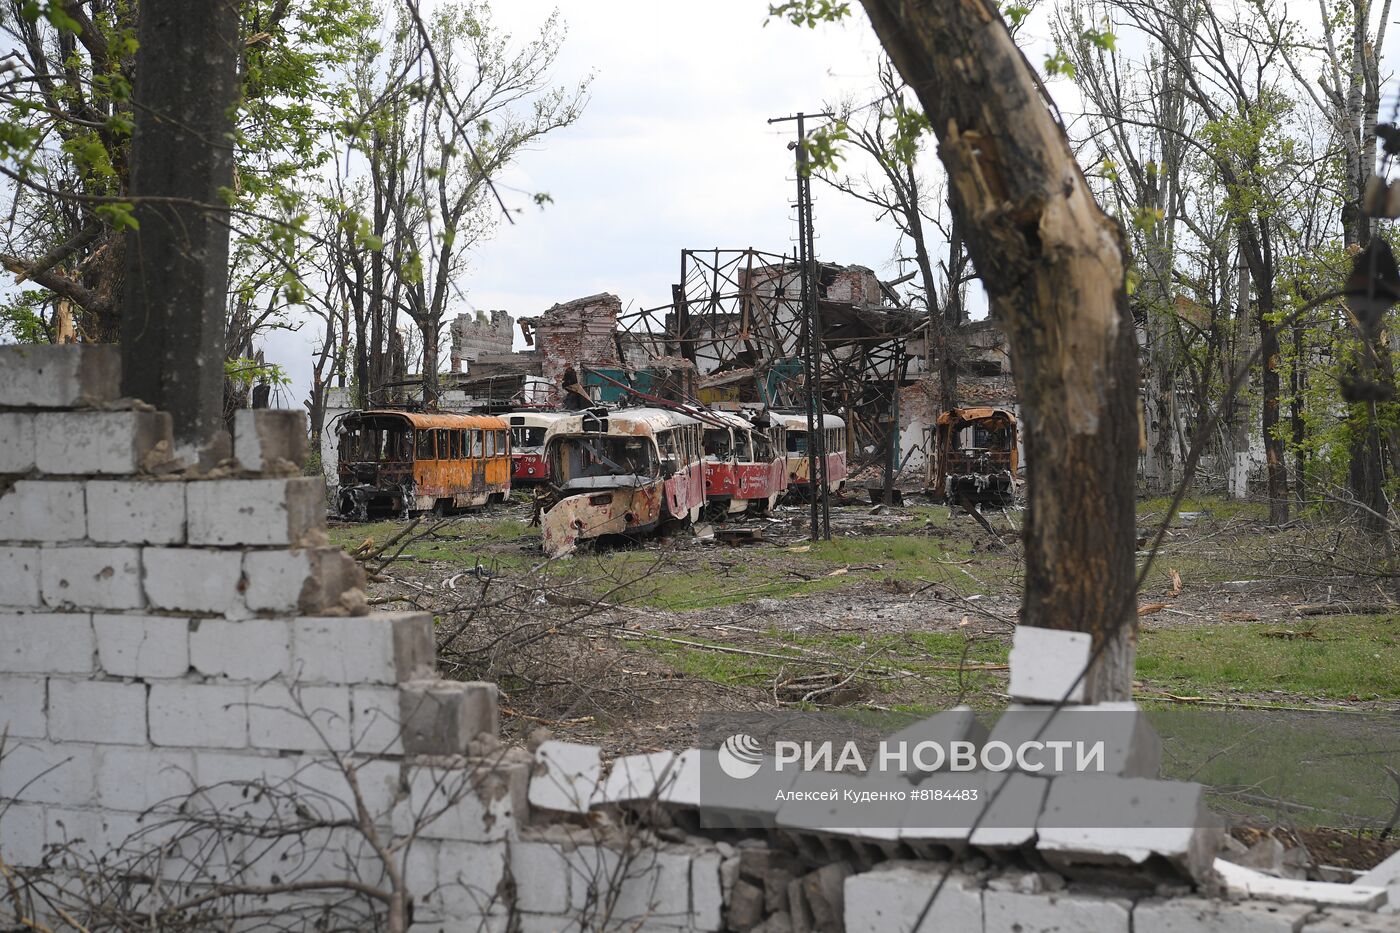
x: 1351, y: 657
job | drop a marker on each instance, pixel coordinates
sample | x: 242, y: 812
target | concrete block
x: 541, y: 877
x: 45, y: 643
x: 1046, y: 662
x: 101, y: 442
x: 958, y: 724
x: 380, y: 784
x: 1246, y: 882
x: 141, y: 778
x: 470, y: 876
x: 142, y: 646
x: 94, y: 834
x: 22, y: 707
x: 566, y: 776
x: 241, y: 649
x: 374, y: 720
x: 97, y: 711
x: 440, y: 717
x: 19, y: 577
x: 706, y: 892
x: 1131, y: 746
x: 380, y: 648
x: 1014, y: 912
x: 1011, y: 817
x: 267, y: 438
x: 46, y: 772
x: 646, y: 884
x: 1204, y: 915
x: 91, y: 577
x: 299, y: 718
x: 635, y: 778
x: 308, y: 580
x: 189, y: 580
x: 892, y: 896
x: 17, y: 453
x: 224, y: 776
x: 479, y: 801
x: 59, y: 376
x: 199, y: 715
x: 258, y: 512
x: 42, y: 510
x: 136, y: 512
x: 1089, y: 822
x: 21, y: 838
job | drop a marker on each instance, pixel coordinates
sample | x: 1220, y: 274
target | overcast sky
x: 673, y: 151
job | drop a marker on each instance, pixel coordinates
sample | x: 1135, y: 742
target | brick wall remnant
x: 581, y: 332
x: 480, y: 334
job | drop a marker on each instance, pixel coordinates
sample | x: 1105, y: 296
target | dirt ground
x: 908, y: 610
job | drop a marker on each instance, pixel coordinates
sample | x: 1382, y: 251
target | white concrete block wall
x: 268, y: 512
x: 142, y: 646
x: 100, y: 442
x: 42, y: 511
x: 17, y: 453
x: 136, y: 511
x: 91, y: 577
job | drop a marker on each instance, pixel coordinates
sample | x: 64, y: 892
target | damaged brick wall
x: 478, y: 335
x: 195, y: 692
x: 581, y: 332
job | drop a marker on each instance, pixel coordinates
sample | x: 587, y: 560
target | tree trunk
x: 176, y: 277
x: 1053, y: 265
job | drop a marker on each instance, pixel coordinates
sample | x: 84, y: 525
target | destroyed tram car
x: 397, y: 464
x: 620, y: 472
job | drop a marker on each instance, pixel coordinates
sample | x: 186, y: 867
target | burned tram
x: 401, y: 463
x: 745, y: 463
x: 974, y: 459
x: 620, y: 472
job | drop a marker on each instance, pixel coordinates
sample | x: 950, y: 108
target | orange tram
x: 403, y: 463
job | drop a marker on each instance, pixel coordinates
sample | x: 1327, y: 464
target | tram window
x: 797, y: 442
x: 425, y: 446
x: 717, y: 444
x: 489, y: 439
x: 666, y: 441
x: 741, y: 445
x: 502, y: 443
x: 527, y: 437
x: 476, y: 444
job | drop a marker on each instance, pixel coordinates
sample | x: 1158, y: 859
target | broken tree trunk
x: 1054, y: 269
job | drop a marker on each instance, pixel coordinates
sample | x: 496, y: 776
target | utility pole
x: 176, y: 281
x: 811, y: 333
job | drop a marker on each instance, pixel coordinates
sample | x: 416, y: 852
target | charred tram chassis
x: 398, y: 464
x: 975, y: 457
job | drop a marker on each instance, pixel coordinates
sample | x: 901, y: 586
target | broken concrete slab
x: 959, y: 724
x: 1246, y: 882
x: 1090, y: 822
x: 566, y: 776
x: 1130, y: 744
x: 637, y: 778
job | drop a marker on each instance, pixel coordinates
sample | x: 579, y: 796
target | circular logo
x: 740, y: 756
